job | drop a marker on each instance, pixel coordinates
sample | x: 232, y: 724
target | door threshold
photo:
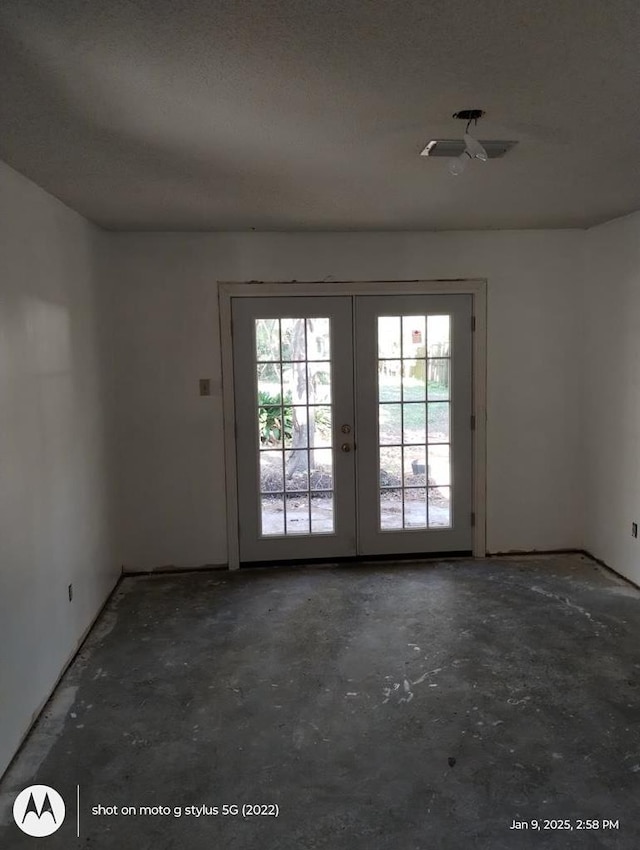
x: 360, y: 560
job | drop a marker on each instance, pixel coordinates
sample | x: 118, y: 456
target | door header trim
x: 254, y: 288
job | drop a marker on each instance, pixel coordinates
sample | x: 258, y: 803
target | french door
x: 353, y: 425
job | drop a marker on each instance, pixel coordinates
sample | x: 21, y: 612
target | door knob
x: 346, y: 447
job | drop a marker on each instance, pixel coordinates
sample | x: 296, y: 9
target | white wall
x: 612, y: 393
x: 55, y: 497
x: 171, y: 488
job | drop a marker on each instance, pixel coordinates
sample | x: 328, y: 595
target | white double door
x: 353, y: 425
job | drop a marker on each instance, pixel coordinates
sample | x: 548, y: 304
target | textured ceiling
x: 293, y: 115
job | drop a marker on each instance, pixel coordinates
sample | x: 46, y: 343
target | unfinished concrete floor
x: 410, y: 707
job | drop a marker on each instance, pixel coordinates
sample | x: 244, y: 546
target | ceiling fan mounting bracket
x: 469, y: 114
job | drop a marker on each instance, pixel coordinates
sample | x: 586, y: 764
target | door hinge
x: 473, y: 323
x: 473, y: 423
x: 473, y: 519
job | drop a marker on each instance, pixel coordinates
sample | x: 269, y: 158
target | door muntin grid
x: 414, y: 422
x: 294, y: 431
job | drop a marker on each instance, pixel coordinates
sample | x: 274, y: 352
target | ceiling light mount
x: 472, y: 147
x: 460, y: 151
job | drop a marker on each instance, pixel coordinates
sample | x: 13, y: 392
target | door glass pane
x: 415, y: 466
x: 318, y: 340
x: 391, y: 509
x: 439, y: 423
x: 415, y: 507
x: 413, y: 337
x: 294, y: 382
x: 389, y: 380
x: 439, y: 466
x: 267, y: 340
x: 439, y: 507
x: 272, y: 514
x: 413, y: 358
x: 320, y: 425
x: 294, y: 423
x: 390, y: 466
x: 322, y: 512
x: 270, y: 426
x: 299, y: 427
x: 390, y: 424
x: 269, y: 383
x: 389, y: 337
x: 414, y: 421
x: 297, y: 519
x: 294, y: 339
x: 297, y: 470
x: 414, y: 383
x: 438, y: 379
x: 319, y: 382
x: 321, y: 469
x: 438, y: 336
x: 414, y: 434
x: 271, y: 472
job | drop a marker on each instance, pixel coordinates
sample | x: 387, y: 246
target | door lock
x: 346, y: 429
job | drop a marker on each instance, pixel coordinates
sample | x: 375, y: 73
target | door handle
x: 346, y: 447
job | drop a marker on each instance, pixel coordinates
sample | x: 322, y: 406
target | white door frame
x: 476, y: 287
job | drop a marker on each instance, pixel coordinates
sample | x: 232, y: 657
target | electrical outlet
x: 70, y: 592
x: 205, y: 386
x: 634, y: 529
